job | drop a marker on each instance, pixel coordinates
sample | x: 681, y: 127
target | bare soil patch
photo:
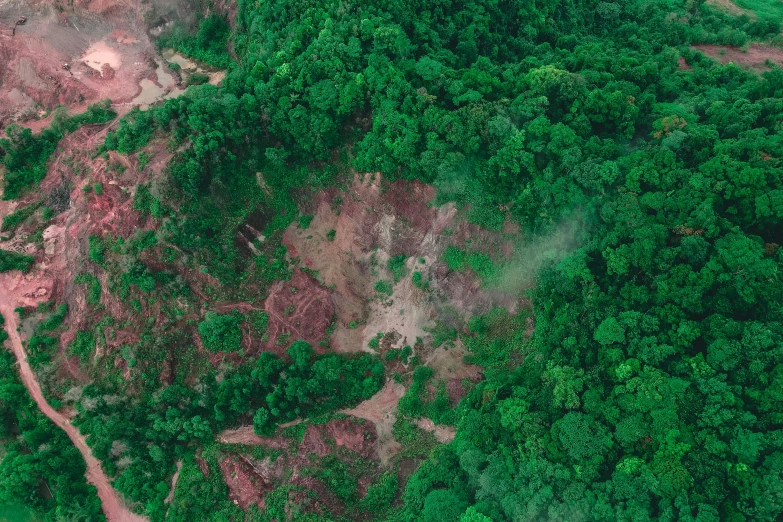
x: 298, y: 309
x: 381, y: 410
x: 354, y: 234
x: 246, y: 485
x: 249, y: 479
x: 756, y: 57
x: 444, y: 434
x: 731, y: 8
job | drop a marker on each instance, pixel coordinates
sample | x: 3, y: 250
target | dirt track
x: 113, y: 507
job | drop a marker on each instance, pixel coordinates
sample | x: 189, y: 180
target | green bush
x: 83, y: 345
x: 94, y: 292
x: 221, y: 333
x: 396, y: 266
x: 197, y: 78
x: 97, y: 250
x: 383, y: 287
x: 304, y: 222
x: 13, y: 261
x: 208, y: 44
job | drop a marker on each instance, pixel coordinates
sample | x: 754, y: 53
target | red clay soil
x: 249, y: 480
x: 31, y: 62
x: 300, y: 307
x: 755, y: 58
x: 245, y: 485
x: 112, y: 505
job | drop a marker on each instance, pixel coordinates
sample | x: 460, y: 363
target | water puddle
x: 166, y: 87
x: 99, y: 54
x: 189, y: 67
x: 151, y: 92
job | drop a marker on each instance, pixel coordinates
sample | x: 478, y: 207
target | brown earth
x: 373, y: 222
x: 249, y: 480
x: 381, y: 410
x: 84, y: 36
x: 300, y: 308
x: 756, y: 57
x: 247, y: 483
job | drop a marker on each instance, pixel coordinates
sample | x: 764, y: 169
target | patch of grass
x: 304, y: 222
x: 415, y: 441
x: 771, y: 10
x: 16, y: 218
x: 94, y: 292
x: 396, y: 266
x: 383, y: 287
x: 13, y: 261
x: 479, y: 262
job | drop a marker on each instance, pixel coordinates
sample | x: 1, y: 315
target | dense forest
x: 650, y: 387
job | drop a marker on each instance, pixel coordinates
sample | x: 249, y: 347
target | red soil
x: 755, y: 57
x: 300, y: 307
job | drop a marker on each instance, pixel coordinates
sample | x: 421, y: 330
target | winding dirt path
x: 113, y: 507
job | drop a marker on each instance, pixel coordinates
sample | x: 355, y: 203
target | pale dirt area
x: 372, y: 225
x: 189, y: 66
x: 84, y: 53
x: 731, y: 8
x: 174, y: 480
x: 381, y: 410
x: 755, y: 57
x: 18, y: 290
x: 443, y: 434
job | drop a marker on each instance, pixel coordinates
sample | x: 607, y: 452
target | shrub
x: 94, y: 292
x: 304, y: 222
x: 197, y: 78
x: 221, y: 333
x: 13, y: 261
x: 396, y: 266
x: 83, y: 344
x: 383, y: 287
x: 16, y: 218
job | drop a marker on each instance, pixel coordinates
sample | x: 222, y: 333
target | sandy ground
x: 15, y: 291
x: 381, y: 410
x: 174, y: 480
x: 443, y: 434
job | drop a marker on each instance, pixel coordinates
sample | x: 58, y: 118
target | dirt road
x: 112, y: 505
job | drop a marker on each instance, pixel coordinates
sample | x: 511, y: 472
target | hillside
x: 391, y: 261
